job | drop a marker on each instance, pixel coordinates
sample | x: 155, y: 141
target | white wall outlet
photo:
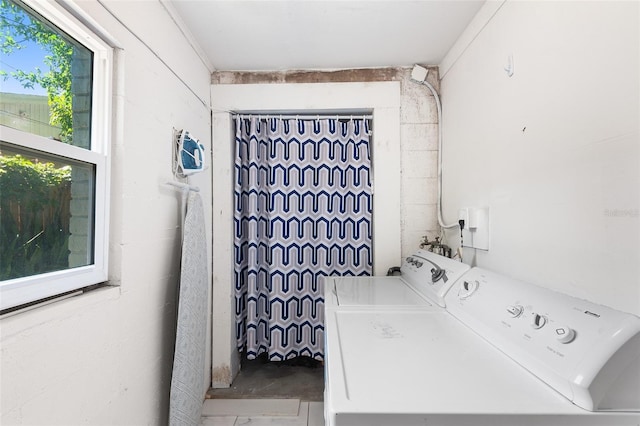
x: 479, y: 225
x: 475, y: 233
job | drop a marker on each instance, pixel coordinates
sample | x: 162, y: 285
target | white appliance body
x: 416, y: 288
x: 426, y: 368
x: 485, y: 360
x: 588, y: 352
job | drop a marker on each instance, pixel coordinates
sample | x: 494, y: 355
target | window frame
x: 20, y: 291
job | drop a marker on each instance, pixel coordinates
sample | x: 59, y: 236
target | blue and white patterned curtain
x: 303, y: 208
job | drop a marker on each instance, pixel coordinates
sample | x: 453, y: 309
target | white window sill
x: 56, y: 309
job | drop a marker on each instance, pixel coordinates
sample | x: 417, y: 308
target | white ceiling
x: 263, y: 35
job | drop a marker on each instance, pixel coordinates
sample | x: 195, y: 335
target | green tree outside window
x: 35, y: 190
x: 18, y: 31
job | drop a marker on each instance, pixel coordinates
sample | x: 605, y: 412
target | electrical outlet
x: 475, y: 233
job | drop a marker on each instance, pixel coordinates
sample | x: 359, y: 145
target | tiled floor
x: 259, y: 412
x: 285, y: 393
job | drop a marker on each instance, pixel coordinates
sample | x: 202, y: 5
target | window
x: 54, y: 121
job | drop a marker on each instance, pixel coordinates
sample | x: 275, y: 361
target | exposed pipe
x: 419, y: 75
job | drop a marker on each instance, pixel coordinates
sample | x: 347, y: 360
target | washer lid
x: 378, y: 292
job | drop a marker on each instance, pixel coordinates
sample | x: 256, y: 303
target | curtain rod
x: 307, y: 117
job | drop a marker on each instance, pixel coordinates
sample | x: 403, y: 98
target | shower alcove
x: 380, y: 99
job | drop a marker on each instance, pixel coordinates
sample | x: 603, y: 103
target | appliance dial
x: 515, y: 310
x: 538, y: 321
x: 565, y: 334
x: 468, y: 288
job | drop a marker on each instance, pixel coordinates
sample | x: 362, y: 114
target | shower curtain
x: 303, y: 207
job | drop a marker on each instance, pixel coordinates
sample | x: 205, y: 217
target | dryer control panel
x: 588, y: 352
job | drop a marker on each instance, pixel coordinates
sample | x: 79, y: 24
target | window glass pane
x: 46, y: 78
x: 46, y: 211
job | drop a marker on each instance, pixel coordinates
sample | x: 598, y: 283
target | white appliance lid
x: 426, y: 362
x: 373, y: 292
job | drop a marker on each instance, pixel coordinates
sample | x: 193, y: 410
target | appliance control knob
x: 467, y: 289
x: 565, y: 334
x: 538, y: 321
x: 515, y: 310
x: 418, y: 263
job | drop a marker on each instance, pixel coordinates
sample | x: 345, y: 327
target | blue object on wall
x: 190, y: 157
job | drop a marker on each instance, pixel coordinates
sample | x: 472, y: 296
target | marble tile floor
x: 262, y: 412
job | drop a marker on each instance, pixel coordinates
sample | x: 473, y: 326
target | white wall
x: 105, y: 357
x: 552, y: 150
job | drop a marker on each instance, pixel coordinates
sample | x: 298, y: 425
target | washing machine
x: 425, y: 279
x: 501, y: 352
